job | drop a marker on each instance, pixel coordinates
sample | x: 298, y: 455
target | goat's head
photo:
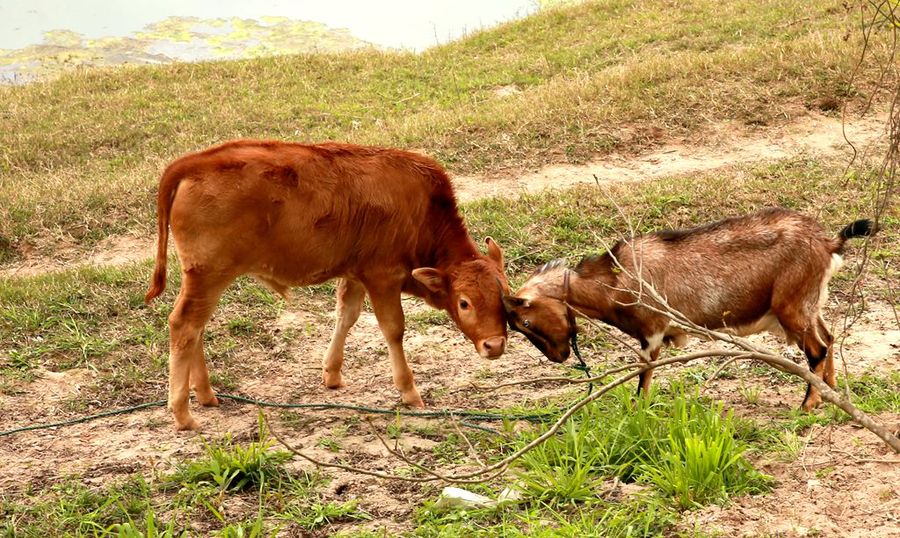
x: 538, y: 310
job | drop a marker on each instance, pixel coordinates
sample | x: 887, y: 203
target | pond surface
x: 40, y: 37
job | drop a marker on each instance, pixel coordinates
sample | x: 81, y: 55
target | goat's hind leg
x: 816, y: 343
x: 829, y: 378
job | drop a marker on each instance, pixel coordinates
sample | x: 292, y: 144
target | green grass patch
x: 685, y: 447
x: 682, y: 451
x: 644, y: 517
x: 72, y: 509
x: 228, y: 466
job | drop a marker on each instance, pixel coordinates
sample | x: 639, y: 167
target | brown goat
x: 767, y: 271
x: 384, y: 220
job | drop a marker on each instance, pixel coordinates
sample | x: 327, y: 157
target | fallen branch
x: 828, y: 394
x: 606, y: 373
x: 359, y: 470
x: 718, y: 371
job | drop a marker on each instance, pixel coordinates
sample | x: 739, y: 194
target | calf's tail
x: 167, y: 187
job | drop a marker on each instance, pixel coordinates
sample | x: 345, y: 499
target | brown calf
x: 383, y: 220
x: 767, y: 271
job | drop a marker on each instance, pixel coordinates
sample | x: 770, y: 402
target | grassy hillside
x: 80, y: 155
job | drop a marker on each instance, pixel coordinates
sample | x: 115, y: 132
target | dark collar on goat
x: 573, y: 324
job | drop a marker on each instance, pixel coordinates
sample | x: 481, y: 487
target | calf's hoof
x: 208, y: 401
x: 810, y: 404
x: 333, y: 380
x: 412, y: 399
x: 187, y: 425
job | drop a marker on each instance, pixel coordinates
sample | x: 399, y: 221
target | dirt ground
x: 845, y: 482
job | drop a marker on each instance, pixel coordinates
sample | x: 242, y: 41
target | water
x: 41, y: 36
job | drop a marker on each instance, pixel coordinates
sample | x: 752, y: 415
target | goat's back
x: 732, y: 272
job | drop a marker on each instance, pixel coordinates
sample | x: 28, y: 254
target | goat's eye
x: 463, y: 304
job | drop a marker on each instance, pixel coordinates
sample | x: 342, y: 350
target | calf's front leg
x: 385, y: 297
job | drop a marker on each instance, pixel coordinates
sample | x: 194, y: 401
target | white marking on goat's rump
x: 837, y: 261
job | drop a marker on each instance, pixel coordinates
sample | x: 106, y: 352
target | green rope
x: 444, y: 413
x: 123, y: 411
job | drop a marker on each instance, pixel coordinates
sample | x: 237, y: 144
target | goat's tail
x: 858, y: 228
x: 167, y: 187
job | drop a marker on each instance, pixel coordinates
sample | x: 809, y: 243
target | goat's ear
x: 433, y: 279
x: 494, y: 251
x: 512, y: 303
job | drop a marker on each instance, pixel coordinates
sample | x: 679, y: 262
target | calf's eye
x: 464, y: 304
x: 526, y: 324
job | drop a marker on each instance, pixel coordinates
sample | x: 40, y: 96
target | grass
x: 685, y: 452
x: 82, y: 171
x: 686, y: 449
x: 594, y: 78
x: 231, y: 467
x: 71, y: 508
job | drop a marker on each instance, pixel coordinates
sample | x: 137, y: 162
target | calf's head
x: 472, y: 293
x: 538, y: 311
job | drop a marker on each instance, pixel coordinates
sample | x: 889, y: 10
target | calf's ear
x: 433, y: 279
x: 494, y: 251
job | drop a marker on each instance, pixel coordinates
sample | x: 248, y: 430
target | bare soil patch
x: 721, y: 146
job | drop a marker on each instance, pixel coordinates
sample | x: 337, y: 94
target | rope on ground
x: 468, y: 415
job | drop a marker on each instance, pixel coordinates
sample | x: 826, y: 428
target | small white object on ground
x: 452, y: 498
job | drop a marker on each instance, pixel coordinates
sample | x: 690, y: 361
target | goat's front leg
x: 348, y: 304
x: 650, y: 348
x: 385, y: 297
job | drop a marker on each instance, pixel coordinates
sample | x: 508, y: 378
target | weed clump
x: 684, y: 448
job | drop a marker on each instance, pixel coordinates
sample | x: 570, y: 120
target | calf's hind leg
x: 195, y: 305
x: 349, y: 299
